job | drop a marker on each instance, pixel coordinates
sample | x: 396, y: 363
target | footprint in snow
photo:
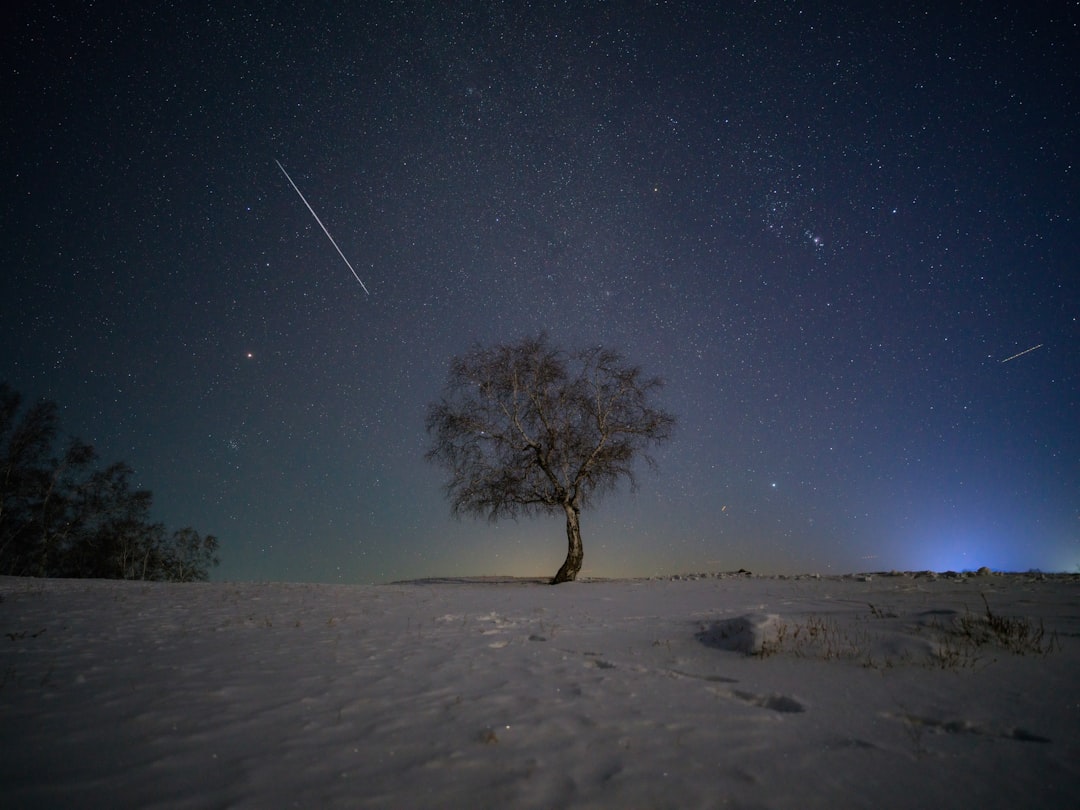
x: 778, y: 703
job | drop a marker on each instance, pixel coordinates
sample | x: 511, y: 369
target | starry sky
x: 827, y: 226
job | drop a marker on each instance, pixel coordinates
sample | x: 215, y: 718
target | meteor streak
x: 328, y: 236
x: 1021, y: 354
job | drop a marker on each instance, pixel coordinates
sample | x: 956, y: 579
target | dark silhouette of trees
x: 527, y: 427
x: 60, y: 516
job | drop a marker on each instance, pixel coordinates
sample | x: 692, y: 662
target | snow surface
x: 696, y: 692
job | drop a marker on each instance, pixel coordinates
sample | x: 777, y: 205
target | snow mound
x: 749, y: 633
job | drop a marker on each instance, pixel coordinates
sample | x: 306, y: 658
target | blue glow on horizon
x: 970, y: 548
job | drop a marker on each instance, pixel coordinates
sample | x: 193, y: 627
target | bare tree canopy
x: 527, y: 427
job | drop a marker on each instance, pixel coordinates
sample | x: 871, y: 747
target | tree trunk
x: 575, y: 554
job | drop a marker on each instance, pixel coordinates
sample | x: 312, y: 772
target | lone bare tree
x: 526, y: 427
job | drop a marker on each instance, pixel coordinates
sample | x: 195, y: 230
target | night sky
x: 826, y: 226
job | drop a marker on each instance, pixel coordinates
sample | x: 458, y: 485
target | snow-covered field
x: 732, y: 691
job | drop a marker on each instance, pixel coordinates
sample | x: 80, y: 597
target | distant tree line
x: 62, y: 515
